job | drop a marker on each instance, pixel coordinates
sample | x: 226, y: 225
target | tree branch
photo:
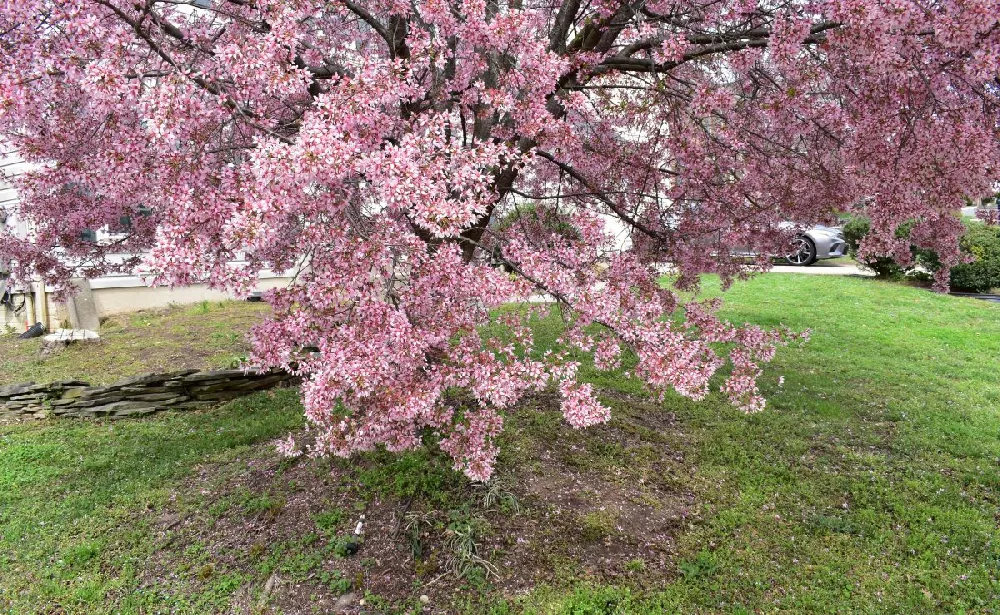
x: 758, y: 38
x: 564, y: 19
x: 602, y: 196
x: 369, y: 19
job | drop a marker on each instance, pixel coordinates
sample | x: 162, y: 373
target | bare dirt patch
x: 591, y: 504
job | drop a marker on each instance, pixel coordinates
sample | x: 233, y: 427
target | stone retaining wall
x: 135, y: 396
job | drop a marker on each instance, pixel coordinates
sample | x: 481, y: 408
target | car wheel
x: 803, y: 252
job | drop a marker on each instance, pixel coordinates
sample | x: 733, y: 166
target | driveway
x: 830, y: 267
x: 826, y: 267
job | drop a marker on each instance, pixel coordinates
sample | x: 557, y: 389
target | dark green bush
x: 884, y: 267
x: 537, y: 222
x: 539, y: 219
x: 980, y: 241
x: 983, y: 274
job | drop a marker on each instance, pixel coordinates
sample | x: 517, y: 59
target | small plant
x: 702, y: 565
x: 328, y: 521
x: 344, y: 546
x: 256, y: 551
x: 226, y: 584
x: 636, y: 565
x: 414, y: 524
x: 203, y: 307
x: 309, y: 539
x: 219, y: 507
x: 82, y: 553
x: 826, y: 523
x: 299, y: 565
x: 421, y: 474
x: 476, y: 577
x: 195, y: 551
x: 597, y: 525
x: 376, y: 601
x: 230, y: 337
x: 607, y: 599
x: 497, y: 497
x: 461, y: 546
x: 266, y: 505
x: 335, y: 581
x: 236, y: 361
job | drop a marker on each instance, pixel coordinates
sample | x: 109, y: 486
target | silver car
x: 807, y: 247
x: 818, y: 243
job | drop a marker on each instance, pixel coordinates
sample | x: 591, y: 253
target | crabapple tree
x: 375, y: 147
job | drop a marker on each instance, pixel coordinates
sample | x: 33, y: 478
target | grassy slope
x: 870, y: 483
x: 199, y: 336
x: 78, y: 499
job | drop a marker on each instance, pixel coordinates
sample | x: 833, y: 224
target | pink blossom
x: 580, y: 407
x: 386, y: 151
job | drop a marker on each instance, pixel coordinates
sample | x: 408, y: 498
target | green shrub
x: 855, y: 230
x: 700, y: 566
x: 980, y: 241
x: 423, y: 474
x: 597, y: 525
x: 328, y: 521
x: 983, y: 274
x: 535, y: 221
x: 539, y: 219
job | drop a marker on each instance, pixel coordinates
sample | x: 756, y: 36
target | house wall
x: 113, y: 299
x: 122, y: 299
x: 114, y: 294
x: 11, y: 166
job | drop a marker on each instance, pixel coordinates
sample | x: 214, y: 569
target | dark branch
x: 369, y: 19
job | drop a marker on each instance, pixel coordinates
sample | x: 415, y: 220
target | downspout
x: 42, y: 305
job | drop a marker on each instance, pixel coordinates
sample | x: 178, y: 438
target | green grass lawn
x: 204, y: 335
x: 870, y: 484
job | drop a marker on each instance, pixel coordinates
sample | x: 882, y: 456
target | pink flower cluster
x: 421, y: 165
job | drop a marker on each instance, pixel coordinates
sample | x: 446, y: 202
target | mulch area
x: 572, y: 516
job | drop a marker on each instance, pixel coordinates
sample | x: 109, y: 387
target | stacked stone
x: 136, y: 395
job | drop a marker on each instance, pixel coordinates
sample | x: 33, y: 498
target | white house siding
x: 113, y: 294
x: 11, y: 167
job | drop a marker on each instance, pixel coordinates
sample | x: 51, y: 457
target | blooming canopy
x: 380, y: 146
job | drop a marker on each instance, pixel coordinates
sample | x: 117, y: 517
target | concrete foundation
x: 110, y: 296
x: 81, y: 307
